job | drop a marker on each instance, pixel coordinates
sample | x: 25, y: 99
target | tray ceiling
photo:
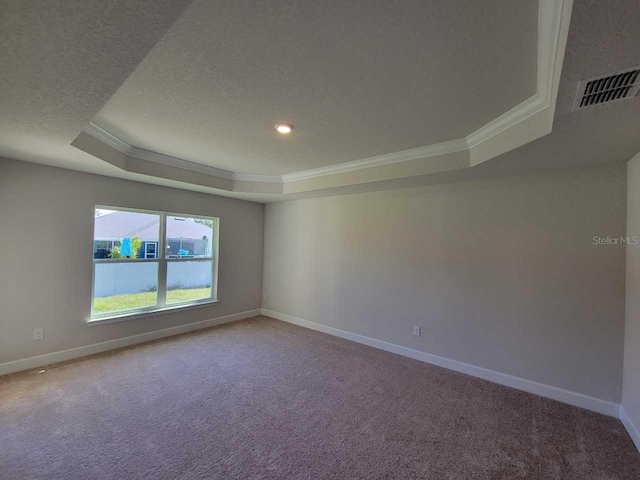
x: 357, y: 79
x: 381, y: 95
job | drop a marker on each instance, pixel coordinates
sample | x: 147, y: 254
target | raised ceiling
x: 64, y: 65
x: 515, y: 122
x: 357, y: 79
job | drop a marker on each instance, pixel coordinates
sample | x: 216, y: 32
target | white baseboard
x: 554, y: 393
x: 634, y: 431
x: 70, y: 354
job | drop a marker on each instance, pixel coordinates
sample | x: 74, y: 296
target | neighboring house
x: 185, y: 238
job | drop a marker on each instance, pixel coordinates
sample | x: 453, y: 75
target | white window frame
x: 163, y: 263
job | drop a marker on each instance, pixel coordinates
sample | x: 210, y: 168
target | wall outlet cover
x: 38, y: 334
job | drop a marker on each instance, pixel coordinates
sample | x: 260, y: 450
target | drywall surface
x: 631, y: 384
x: 46, y: 227
x: 500, y: 273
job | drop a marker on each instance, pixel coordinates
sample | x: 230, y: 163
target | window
x: 145, y: 261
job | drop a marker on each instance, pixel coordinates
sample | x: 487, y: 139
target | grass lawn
x: 146, y: 299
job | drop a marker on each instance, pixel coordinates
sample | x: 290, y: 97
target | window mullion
x: 162, y: 263
x: 215, y: 253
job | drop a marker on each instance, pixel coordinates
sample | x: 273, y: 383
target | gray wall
x: 500, y: 273
x: 46, y: 230
x: 631, y: 389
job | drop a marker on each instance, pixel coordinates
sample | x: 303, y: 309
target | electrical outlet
x: 416, y: 331
x: 264, y: 297
x: 38, y: 334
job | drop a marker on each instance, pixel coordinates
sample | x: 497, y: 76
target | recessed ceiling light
x: 284, y: 128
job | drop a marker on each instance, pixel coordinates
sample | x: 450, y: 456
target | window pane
x: 188, y: 281
x: 122, y: 234
x: 124, y: 286
x: 189, y: 237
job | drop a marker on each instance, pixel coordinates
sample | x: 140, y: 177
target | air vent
x: 607, y: 88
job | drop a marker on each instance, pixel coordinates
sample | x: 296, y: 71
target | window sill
x: 120, y: 317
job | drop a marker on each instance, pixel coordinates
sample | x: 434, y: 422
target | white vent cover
x: 607, y: 88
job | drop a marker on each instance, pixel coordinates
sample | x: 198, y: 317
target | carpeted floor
x: 264, y: 399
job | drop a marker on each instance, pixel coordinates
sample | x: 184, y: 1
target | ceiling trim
x: 247, y: 177
x: 107, y: 137
x: 377, y: 161
x: 524, y: 123
x: 526, y: 109
x: 550, y: 14
x: 99, y: 133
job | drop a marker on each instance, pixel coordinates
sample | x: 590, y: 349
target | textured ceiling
x: 60, y: 61
x: 603, y: 38
x: 58, y: 66
x: 357, y: 79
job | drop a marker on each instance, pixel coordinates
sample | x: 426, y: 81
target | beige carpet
x: 264, y: 399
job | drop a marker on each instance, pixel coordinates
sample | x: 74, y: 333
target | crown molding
x: 443, y: 148
x: 170, y: 161
x: 99, y: 133
x: 248, y: 177
x: 533, y: 118
x: 528, y: 121
x: 525, y: 110
x: 550, y: 15
x: 106, y: 137
x: 554, y: 17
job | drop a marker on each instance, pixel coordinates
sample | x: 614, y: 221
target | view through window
x: 145, y: 261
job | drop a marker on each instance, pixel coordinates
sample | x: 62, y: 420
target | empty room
x: 301, y: 239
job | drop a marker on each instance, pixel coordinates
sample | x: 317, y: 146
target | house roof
x: 118, y: 225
